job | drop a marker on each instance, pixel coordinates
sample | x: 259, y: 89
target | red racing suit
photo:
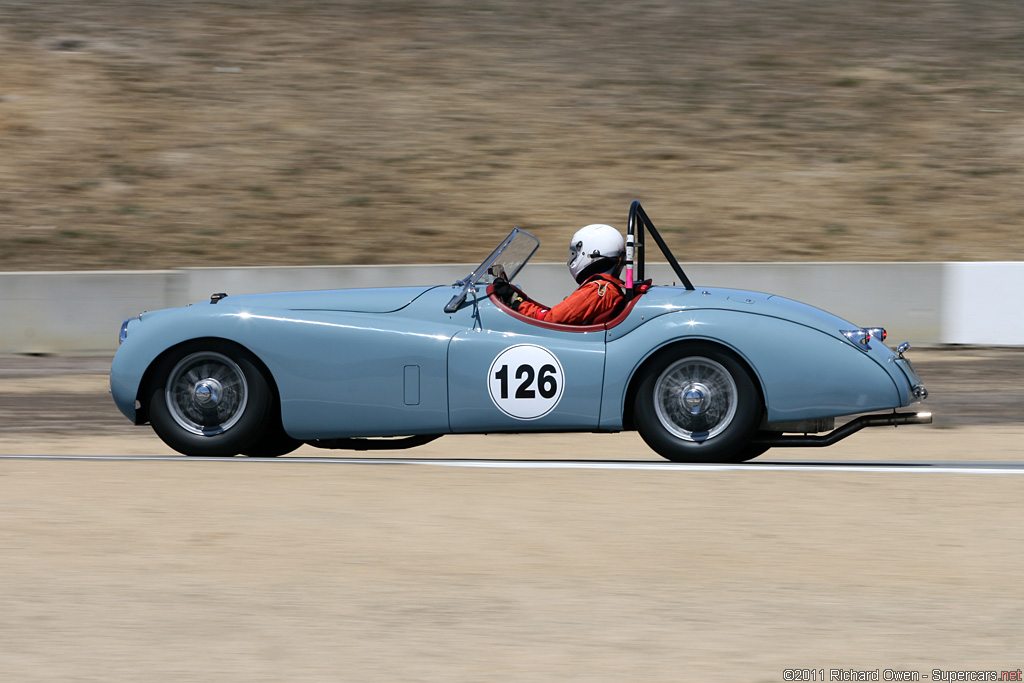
x: 599, y: 294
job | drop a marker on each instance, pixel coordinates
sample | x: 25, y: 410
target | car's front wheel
x: 698, y: 404
x: 209, y: 398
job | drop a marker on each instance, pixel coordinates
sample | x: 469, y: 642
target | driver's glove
x: 507, y: 293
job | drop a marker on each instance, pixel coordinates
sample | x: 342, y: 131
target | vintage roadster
x: 704, y: 374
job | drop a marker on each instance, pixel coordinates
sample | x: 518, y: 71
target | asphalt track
x: 931, y: 467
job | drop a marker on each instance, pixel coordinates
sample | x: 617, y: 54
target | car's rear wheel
x: 209, y: 398
x: 698, y: 404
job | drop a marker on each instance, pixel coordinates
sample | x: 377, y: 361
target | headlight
x: 124, y: 329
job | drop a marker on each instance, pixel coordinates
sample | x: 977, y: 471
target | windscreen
x: 509, y: 258
x: 505, y: 261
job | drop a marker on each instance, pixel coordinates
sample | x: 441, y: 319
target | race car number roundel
x: 526, y: 381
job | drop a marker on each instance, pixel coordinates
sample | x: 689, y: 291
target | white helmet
x: 595, y: 248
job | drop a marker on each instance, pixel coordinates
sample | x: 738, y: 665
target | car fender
x: 803, y: 372
x: 150, y: 336
x: 338, y: 373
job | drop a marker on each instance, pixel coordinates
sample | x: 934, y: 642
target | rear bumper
x: 917, y: 391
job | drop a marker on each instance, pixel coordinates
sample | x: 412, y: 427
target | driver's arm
x: 514, y: 299
x: 581, y: 307
x: 531, y: 309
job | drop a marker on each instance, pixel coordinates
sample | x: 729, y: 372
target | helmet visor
x: 574, y: 252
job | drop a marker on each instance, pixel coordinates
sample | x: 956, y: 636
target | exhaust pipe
x: 851, y: 427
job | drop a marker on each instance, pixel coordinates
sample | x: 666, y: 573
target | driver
x: 595, y: 259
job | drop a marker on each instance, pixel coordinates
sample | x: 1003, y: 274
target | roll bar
x: 638, y: 224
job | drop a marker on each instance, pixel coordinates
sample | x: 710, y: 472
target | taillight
x: 878, y: 333
x: 862, y: 337
x: 865, y: 334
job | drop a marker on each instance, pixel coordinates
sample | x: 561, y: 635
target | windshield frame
x: 485, y: 273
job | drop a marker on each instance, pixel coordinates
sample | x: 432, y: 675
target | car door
x: 509, y: 375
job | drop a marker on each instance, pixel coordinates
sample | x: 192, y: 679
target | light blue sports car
x: 705, y: 375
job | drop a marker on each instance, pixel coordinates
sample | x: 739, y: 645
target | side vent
x: 412, y: 385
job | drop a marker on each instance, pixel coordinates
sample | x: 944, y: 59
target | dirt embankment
x: 151, y: 134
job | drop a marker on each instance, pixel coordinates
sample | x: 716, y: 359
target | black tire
x: 209, y: 398
x: 750, y: 452
x: 698, y: 403
x: 275, y: 442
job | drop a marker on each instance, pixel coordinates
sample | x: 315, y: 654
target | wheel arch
x: 675, y: 348
x: 142, y: 413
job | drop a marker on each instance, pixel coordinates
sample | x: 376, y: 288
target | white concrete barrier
x: 904, y: 298
x: 924, y: 303
x: 980, y: 305
x: 201, y: 282
x: 77, y: 312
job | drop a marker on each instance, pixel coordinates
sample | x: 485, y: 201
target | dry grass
x: 150, y: 134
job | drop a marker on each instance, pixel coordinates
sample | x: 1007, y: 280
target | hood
x: 382, y: 300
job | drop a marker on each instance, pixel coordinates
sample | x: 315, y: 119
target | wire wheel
x: 210, y: 397
x: 206, y: 393
x: 695, y: 398
x: 697, y: 402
